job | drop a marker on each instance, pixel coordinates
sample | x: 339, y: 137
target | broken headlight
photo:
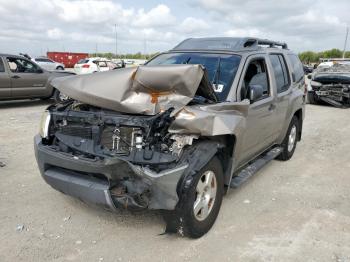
x: 44, y: 124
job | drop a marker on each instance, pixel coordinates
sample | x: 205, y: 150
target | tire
x: 195, y: 224
x: 289, y: 143
x: 312, y: 98
x: 59, y: 68
x: 58, y: 97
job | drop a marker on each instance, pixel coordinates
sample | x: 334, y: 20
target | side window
x: 256, y: 74
x: 2, y: 68
x: 102, y: 64
x: 297, y: 67
x: 280, y: 72
x: 18, y: 65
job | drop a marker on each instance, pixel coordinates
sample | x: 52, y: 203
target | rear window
x: 83, y: 61
x: 2, y: 68
x: 297, y: 67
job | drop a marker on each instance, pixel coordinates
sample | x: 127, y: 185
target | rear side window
x: 297, y: 67
x: 280, y: 71
x: 83, y: 61
x: 2, y: 68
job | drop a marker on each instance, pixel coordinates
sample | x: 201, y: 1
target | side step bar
x: 254, y: 167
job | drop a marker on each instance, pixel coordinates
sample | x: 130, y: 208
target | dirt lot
x: 291, y: 211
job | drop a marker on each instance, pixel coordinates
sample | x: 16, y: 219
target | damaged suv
x: 176, y: 133
x: 330, y: 85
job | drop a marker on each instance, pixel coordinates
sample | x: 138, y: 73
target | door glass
x: 256, y: 74
x: 280, y: 71
x: 18, y: 65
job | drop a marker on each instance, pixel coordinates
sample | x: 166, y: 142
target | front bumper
x: 97, y: 181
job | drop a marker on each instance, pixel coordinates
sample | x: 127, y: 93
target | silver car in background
x: 48, y: 64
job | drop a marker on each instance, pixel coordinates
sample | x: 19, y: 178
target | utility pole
x: 346, y: 40
x: 144, y: 45
x: 116, y: 40
x: 96, y: 50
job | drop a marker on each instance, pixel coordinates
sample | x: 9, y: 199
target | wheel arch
x: 299, y: 115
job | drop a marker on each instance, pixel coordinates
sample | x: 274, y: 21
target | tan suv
x: 176, y: 133
x: 21, y: 78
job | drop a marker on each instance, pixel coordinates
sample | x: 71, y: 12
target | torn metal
x: 140, y: 129
x: 332, y: 85
x: 143, y: 90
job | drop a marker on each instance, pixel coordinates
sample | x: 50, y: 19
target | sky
x: 37, y: 26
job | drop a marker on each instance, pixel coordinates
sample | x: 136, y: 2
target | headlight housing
x: 315, y: 84
x: 44, y: 124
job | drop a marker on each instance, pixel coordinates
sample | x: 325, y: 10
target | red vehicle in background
x: 67, y: 58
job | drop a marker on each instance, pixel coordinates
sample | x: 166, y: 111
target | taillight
x: 86, y: 66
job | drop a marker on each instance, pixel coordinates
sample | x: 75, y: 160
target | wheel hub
x: 292, y: 138
x: 205, y: 195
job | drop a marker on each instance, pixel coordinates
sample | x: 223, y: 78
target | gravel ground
x: 291, y: 211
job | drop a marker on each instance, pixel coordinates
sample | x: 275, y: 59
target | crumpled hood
x: 142, y: 90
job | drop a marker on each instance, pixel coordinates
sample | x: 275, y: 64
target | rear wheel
x: 60, y: 68
x: 290, y: 141
x: 203, y: 201
x: 59, y: 97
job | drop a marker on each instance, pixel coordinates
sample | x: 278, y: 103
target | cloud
x: 193, y: 25
x: 54, y: 33
x: 158, y: 16
x: 306, y: 25
x: 80, y: 25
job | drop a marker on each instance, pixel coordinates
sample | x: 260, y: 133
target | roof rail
x: 257, y: 41
x: 226, y: 43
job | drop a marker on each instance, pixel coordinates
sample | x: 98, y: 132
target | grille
x: 125, y: 134
x: 83, y: 132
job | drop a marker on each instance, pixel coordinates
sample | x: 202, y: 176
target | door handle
x: 272, y: 107
x: 15, y: 77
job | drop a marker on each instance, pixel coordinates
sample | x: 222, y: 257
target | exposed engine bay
x: 92, y: 132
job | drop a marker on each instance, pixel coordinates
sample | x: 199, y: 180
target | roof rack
x: 227, y: 43
x: 264, y: 42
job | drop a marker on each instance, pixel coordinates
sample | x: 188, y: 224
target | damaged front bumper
x: 110, y: 182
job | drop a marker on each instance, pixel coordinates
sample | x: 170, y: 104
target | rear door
x: 102, y: 65
x: 260, y: 130
x: 27, y: 78
x: 5, y: 82
x: 282, y: 82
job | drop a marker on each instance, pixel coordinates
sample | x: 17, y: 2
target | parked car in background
x: 331, y: 85
x: 48, y: 64
x: 94, y: 65
x: 178, y: 132
x: 21, y: 78
x: 308, y: 69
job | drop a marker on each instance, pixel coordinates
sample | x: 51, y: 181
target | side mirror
x: 309, y: 76
x: 40, y: 71
x: 255, y: 92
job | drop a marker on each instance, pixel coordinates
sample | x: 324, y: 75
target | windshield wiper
x: 216, y: 76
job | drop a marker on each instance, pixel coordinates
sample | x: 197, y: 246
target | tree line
x: 305, y: 57
x: 137, y: 55
x: 314, y: 57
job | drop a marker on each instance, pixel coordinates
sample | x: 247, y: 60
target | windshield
x: 221, y: 68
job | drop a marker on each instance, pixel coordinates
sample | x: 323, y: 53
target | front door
x: 27, y: 79
x: 260, y: 129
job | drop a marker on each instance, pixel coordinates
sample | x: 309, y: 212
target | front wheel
x: 60, y: 68
x: 59, y: 97
x: 203, y: 199
x: 290, y: 141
